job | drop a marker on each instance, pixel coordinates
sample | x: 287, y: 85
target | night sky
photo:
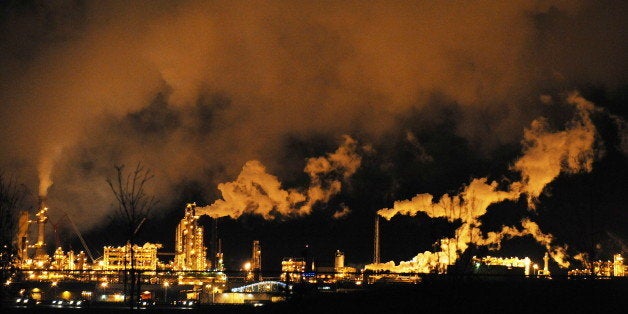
x: 297, y: 121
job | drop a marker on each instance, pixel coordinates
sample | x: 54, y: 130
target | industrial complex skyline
x: 406, y: 135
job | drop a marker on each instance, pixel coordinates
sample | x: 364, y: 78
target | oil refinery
x: 192, y: 278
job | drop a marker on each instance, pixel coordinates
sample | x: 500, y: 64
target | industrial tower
x: 190, y: 251
x: 256, y: 257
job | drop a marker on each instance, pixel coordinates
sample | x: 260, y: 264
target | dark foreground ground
x: 454, y: 295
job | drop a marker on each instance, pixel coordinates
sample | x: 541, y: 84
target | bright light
x: 166, y: 284
x: 247, y: 266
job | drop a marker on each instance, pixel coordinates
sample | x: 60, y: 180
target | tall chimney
x: 214, y: 244
x: 376, y: 259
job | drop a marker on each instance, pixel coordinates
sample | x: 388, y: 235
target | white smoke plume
x: 546, y: 154
x: 529, y: 227
x: 257, y: 192
x: 287, y: 68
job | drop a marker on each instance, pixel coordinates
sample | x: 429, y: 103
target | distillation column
x: 256, y: 257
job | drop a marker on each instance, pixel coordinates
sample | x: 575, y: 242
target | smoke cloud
x: 257, y: 192
x: 209, y: 91
x: 546, y: 154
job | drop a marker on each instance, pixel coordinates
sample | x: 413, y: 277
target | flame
x: 258, y: 192
x: 545, y: 155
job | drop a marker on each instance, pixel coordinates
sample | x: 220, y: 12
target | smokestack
x: 219, y: 257
x: 376, y: 259
x: 214, y: 244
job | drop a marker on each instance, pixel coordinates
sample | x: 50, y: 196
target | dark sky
x: 301, y: 120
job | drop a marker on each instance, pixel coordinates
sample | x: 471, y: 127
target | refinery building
x: 202, y: 277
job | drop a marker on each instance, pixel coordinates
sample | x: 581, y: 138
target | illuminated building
x: 58, y: 259
x: 41, y: 259
x: 119, y: 258
x: 501, y: 265
x: 292, y: 268
x: 190, y: 251
x: 619, y: 270
x: 614, y: 268
x: 342, y: 272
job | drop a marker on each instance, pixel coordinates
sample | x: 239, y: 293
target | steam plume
x: 545, y: 155
x: 45, y: 170
x: 280, y: 69
x: 257, y: 192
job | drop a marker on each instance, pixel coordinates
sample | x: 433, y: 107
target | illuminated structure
x: 59, y: 259
x: 256, y: 257
x: 519, y: 265
x: 22, y: 236
x: 41, y: 259
x: 190, y: 251
x: 119, y: 258
x: 339, y: 261
x: 614, y: 268
x: 292, y: 268
x: 342, y: 272
x: 220, y: 263
x: 545, y: 271
x: 619, y: 270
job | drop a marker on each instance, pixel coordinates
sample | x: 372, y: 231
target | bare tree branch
x: 12, y: 196
x: 134, y: 206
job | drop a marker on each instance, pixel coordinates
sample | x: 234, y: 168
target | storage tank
x: 339, y: 261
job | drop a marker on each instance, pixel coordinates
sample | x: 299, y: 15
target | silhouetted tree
x: 134, y: 206
x: 12, y: 196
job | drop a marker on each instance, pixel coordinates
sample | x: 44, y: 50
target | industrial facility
x: 197, y: 276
